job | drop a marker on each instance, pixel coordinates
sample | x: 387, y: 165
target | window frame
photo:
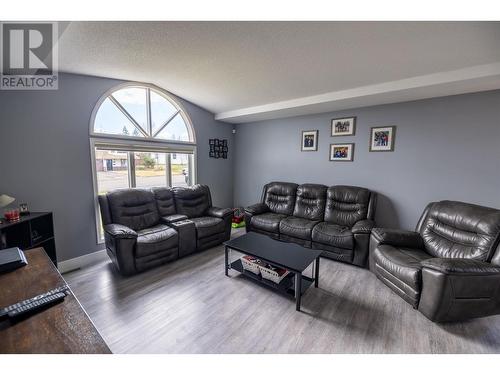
x: 140, y: 144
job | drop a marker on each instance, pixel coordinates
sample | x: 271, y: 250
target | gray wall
x: 45, y: 156
x: 446, y: 148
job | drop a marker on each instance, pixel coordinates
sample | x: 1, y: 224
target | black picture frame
x: 309, y: 133
x: 350, y: 147
x: 391, y: 139
x: 352, y: 127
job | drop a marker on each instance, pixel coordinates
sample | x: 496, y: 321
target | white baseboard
x: 83, y: 261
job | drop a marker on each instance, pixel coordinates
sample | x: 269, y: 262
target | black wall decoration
x: 218, y: 148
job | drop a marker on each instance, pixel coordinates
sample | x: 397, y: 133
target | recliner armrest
x: 459, y: 289
x: 219, y: 212
x: 173, y: 218
x: 397, y: 238
x: 461, y: 266
x: 120, y: 231
x: 257, y: 209
x: 363, y: 227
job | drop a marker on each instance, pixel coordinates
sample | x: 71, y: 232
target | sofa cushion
x: 333, y: 235
x: 134, y: 208
x: 192, y: 201
x: 460, y: 230
x: 280, y: 197
x: 155, y: 239
x: 268, y: 222
x: 310, y: 202
x: 345, y: 205
x: 208, y: 226
x: 164, y: 200
x: 297, y: 227
x: 401, y: 270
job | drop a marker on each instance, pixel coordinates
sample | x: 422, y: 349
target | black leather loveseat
x: 144, y: 228
x: 449, y: 268
x: 336, y: 219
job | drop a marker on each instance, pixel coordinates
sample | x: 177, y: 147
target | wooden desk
x: 62, y: 328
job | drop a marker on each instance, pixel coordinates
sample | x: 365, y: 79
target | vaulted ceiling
x: 246, y: 71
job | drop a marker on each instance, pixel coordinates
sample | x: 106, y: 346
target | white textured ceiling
x: 244, y: 71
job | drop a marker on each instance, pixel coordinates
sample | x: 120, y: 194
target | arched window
x: 142, y: 112
x: 140, y: 137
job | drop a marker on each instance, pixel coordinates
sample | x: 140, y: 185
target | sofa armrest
x: 120, y: 231
x: 363, y: 226
x: 361, y: 232
x: 250, y: 211
x: 219, y: 212
x: 397, y: 238
x: 120, y: 245
x: 173, y: 218
x: 461, y: 266
x: 257, y: 209
x: 459, y: 289
x: 226, y: 214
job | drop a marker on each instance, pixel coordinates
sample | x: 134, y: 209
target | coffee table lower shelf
x: 286, y: 286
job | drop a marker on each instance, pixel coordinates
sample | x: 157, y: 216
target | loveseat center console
x: 187, y: 236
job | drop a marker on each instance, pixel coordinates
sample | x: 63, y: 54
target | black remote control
x: 33, y: 304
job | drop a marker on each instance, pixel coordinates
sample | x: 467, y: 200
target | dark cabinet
x: 33, y: 230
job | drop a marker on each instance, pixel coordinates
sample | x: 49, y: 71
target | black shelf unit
x: 286, y: 286
x: 33, y: 230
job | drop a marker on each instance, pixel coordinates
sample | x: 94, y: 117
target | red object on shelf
x: 12, y: 215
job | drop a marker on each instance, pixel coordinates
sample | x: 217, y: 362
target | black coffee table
x: 287, y: 255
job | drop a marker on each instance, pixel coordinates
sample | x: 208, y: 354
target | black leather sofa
x: 449, y: 268
x: 144, y: 228
x: 336, y: 219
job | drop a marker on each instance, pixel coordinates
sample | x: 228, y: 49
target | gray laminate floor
x: 189, y: 306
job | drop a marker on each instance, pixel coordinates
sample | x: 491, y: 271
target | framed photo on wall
x: 342, y: 152
x: 343, y: 126
x: 382, y: 138
x: 309, y: 140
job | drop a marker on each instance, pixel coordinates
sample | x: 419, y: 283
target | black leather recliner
x: 145, y: 228
x: 336, y: 219
x: 449, y: 268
